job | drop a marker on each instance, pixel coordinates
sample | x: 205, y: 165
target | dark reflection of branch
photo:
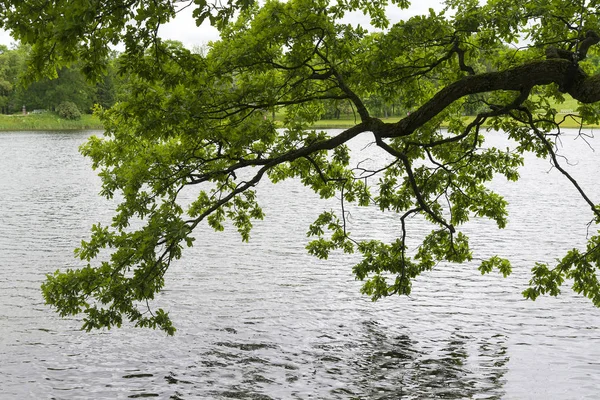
x: 401, y: 366
x: 366, y: 361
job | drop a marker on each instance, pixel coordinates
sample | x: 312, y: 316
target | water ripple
x: 262, y: 320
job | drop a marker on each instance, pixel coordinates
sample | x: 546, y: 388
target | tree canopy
x: 202, y: 121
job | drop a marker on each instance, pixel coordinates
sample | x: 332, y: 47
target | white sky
x: 184, y: 29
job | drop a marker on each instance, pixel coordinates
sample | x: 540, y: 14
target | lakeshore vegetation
x: 27, y: 104
x: 48, y: 121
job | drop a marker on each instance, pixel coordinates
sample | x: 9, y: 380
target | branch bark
x: 580, y: 86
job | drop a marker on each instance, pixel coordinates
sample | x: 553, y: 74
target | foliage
x: 200, y: 120
x: 11, y: 61
x: 68, y: 110
x: 69, y: 84
x: 106, y: 89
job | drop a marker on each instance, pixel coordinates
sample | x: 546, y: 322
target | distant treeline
x: 48, y: 94
x: 70, y: 86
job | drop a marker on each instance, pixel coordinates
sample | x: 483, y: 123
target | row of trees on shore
x: 69, y: 86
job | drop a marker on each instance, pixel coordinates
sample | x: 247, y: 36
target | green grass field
x: 47, y: 121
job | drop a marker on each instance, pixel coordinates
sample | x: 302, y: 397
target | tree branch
x: 557, y: 165
x: 583, y: 88
x: 413, y: 184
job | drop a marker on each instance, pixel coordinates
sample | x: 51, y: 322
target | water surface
x: 263, y: 320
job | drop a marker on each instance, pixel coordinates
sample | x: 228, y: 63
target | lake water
x: 263, y: 320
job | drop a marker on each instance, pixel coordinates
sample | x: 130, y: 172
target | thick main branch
x: 581, y: 87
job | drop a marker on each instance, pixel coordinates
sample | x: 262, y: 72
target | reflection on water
x: 262, y: 320
x: 396, y: 366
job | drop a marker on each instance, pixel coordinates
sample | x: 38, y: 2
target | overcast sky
x: 184, y: 29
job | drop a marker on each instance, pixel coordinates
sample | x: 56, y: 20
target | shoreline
x: 47, y: 122
x: 342, y: 123
x: 51, y: 122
